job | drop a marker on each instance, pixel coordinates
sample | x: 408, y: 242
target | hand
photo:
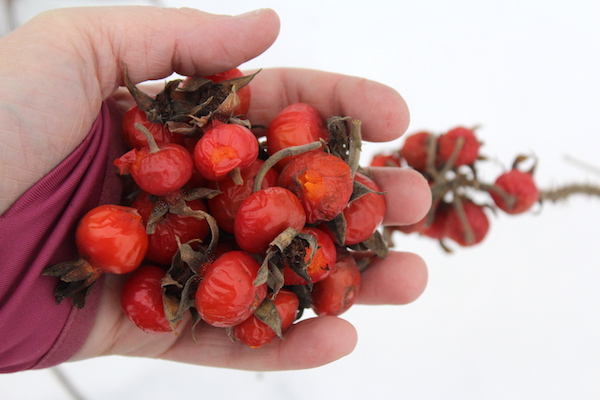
x: 54, y: 103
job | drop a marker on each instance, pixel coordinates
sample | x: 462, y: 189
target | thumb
x: 155, y: 42
x: 64, y: 63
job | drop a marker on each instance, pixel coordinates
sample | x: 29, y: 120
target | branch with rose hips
x: 450, y: 162
x: 244, y: 227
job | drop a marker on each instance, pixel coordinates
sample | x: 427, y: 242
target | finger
x: 400, y: 278
x: 155, y: 42
x: 407, y: 194
x: 382, y: 111
x: 309, y: 343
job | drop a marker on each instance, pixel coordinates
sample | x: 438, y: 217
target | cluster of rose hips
x: 449, y: 161
x: 242, y: 226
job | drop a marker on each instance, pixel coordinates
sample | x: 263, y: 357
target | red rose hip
x: 226, y: 296
x: 520, y: 186
x: 322, y: 182
x: 264, y: 215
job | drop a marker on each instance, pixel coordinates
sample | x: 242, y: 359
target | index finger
x: 380, y: 108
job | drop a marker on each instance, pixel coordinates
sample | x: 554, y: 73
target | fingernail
x: 252, y: 13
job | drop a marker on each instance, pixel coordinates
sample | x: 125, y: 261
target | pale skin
x: 56, y: 70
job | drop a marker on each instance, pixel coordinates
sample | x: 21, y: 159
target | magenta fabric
x: 38, y: 231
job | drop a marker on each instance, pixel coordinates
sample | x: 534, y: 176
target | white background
x: 513, y: 318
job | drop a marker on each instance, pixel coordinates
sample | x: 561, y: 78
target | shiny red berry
x: 226, y: 296
x: 142, y: 299
x: 264, y: 215
x: 223, y: 148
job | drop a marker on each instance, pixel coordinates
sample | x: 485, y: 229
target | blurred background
x: 513, y: 317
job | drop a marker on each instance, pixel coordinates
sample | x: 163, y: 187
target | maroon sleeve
x: 38, y: 231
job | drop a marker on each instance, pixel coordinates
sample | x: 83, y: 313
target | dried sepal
x: 360, y: 189
x: 196, y: 84
x: 345, y: 143
x: 159, y: 209
x: 142, y: 99
x: 288, y: 249
x: 178, y: 206
x: 375, y: 243
x: 267, y: 314
x: 294, y: 256
x: 188, y: 108
x: 75, y: 279
x: 200, y: 193
x: 195, y: 320
x: 339, y: 137
x: 276, y: 247
x: 337, y: 226
x: 180, y: 281
x: 304, y: 298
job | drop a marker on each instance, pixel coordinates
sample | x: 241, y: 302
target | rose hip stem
x: 151, y: 142
x: 561, y: 193
x: 278, y: 156
x: 458, y: 204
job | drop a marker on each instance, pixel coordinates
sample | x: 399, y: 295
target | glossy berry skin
x: 365, y: 214
x: 322, y: 262
x: 255, y: 333
x: 226, y: 295
x: 322, y: 182
x: 477, y: 219
x: 244, y: 94
x: 295, y: 125
x: 264, y: 215
x: 112, y: 238
x: 338, y: 292
x: 521, y: 186
x: 469, y: 151
x: 162, y: 244
x: 415, y: 150
x: 158, y: 172
x: 142, y: 300
x: 224, y: 206
x: 135, y: 139
x: 224, y: 148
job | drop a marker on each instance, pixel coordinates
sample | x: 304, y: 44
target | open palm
x: 68, y: 62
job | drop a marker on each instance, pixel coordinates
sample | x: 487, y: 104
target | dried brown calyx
x: 187, y: 106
